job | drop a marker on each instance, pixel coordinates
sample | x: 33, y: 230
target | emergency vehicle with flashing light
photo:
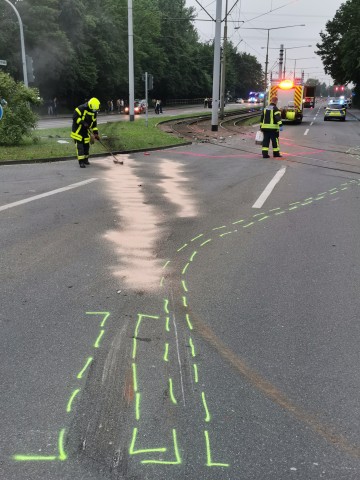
x: 290, y: 95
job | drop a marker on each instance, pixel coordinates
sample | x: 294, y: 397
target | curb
x: 95, y: 155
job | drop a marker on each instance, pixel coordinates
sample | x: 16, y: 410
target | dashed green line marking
x: 248, y: 225
x: 166, y: 264
x: 263, y: 218
x: 294, y: 203
x: 280, y: 213
x: 196, y: 374
x: 293, y: 208
x: 274, y: 209
x: 162, y: 281
x: 182, y: 248
x: 97, y: 343
x: 224, y: 234
x: 319, y: 198
x: 209, y: 462
x: 62, y: 453
x: 81, y: 373
x: 307, y: 199
x: 207, y: 413
x: 167, y: 324
x: 166, y: 359
x: 183, y: 283
x: 71, y: 399
x: 334, y: 193
x: 34, y: 458
x: 136, y: 335
x: 107, y: 315
x: 172, y: 396
x: 132, y: 450
x: 166, y: 305
x: 195, y: 238
x: 185, y: 268
x: 258, y: 214
x: 193, y: 256
x: 344, y: 188
x: 238, y: 221
x: 184, y: 299
x: 204, y: 243
x: 188, y: 322
x: 135, y: 383
x: 332, y: 189
x: 219, y: 228
x: 164, y: 462
x: 193, y: 354
x: 322, y: 193
x: 137, y: 405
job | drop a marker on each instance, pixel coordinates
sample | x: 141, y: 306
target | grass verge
x: 118, y: 136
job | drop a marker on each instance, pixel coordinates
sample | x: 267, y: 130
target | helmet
x: 94, y: 104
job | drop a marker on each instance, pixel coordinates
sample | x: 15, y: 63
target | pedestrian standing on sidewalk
x: 270, y: 125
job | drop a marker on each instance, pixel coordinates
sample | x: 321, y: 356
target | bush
x: 18, y: 118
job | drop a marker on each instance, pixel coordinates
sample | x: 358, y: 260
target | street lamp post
x: 23, y: 56
x: 267, y: 44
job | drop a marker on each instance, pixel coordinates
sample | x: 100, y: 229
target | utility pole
x: 223, y: 65
x: 216, y: 69
x: 131, y: 61
x: 23, y: 56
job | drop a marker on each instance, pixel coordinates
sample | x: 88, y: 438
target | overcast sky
x: 313, y: 13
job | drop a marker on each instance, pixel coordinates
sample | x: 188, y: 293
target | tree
x: 340, y: 46
x: 18, y: 119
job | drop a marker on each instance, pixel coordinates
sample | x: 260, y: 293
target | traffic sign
x: 3, y: 62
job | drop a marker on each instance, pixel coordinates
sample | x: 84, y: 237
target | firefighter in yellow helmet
x: 84, y: 129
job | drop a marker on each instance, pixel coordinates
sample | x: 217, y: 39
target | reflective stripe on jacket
x: 270, y: 118
x: 83, y: 115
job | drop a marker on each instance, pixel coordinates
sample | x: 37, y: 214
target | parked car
x: 138, y: 108
x: 335, y: 110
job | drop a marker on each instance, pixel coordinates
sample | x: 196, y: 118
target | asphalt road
x: 166, y: 319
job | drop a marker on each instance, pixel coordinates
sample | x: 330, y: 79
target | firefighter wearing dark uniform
x: 84, y: 129
x: 270, y: 125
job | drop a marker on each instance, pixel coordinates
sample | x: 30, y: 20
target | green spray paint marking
x: 135, y: 383
x: 280, y: 213
x: 184, y: 301
x: 293, y: 208
x: 196, y: 375
x: 294, y: 203
x: 193, y: 256
x: 188, y: 322
x: 34, y: 458
x: 209, y: 462
x: 195, y: 238
x: 344, y: 184
x: 207, y: 416
x: 176, y: 451
x: 167, y: 324
x: 106, y: 316
x: 193, y: 354
x: 173, y: 399
x: 307, y: 199
x: 71, y: 399
x: 258, y: 214
x: 219, y: 228
x: 166, y: 264
x: 97, y: 343
x: 182, y: 248
x: 226, y: 233
x: 166, y: 352
x: 184, y: 286
x: 62, y: 453
x: 136, y: 335
x: 204, y: 243
x: 344, y: 188
x: 332, y: 189
x: 162, y: 281
x: 248, y: 225
x: 322, y: 193
x: 274, y: 209
x: 319, y: 198
x: 132, y: 450
x: 137, y: 406
x: 166, y: 305
x: 334, y: 193
x: 185, y: 268
x: 237, y: 221
x: 81, y: 373
x: 263, y: 218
